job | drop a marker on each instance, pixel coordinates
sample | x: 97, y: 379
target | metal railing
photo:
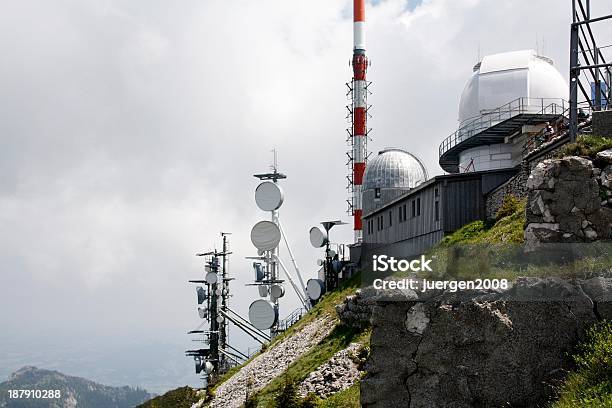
x: 561, y: 129
x: 290, y: 320
x: 540, y: 106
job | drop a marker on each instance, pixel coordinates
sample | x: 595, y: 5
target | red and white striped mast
x: 358, y: 113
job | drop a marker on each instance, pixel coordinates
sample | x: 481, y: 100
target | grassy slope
x: 338, y: 339
x: 348, y: 398
x: 590, y: 386
x: 179, y: 398
x: 586, y: 146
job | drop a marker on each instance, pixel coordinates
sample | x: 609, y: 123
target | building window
x: 377, y: 193
x: 418, y: 206
x: 390, y: 218
x: 436, y: 192
x: 437, y: 210
x: 413, y: 208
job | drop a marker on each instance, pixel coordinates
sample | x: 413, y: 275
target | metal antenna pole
x: 574, y: 78
x: 297, y: 270
x: 224, y: 329
x: 295, y: 287
x: 582, y: 48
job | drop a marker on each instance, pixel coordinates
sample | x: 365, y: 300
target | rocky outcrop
x: 337, y: 374
x: 568, y: 202
x: 602, y: 123
x: 270, y: 364
x: 355, y: 311
x: 478, y: 348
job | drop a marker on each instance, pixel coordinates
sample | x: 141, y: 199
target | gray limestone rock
x: 494, y: 350
x: 605, y: 156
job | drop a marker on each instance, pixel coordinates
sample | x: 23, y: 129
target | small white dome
x: 394, y: 168
x: 502, y: 78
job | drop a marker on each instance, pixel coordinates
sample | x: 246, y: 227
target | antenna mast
x: 358, y: 114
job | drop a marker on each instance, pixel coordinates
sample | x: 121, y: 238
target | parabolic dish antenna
x: 268, y: 196
x: 202, y: 312
x: 277, y: 291
x: 265, y: 235
x: 263, y: 290
x: 317, y: 237
x: 208, y: 367
x: 262, y: 314
x: 315, y: 288
x: 211, y: 278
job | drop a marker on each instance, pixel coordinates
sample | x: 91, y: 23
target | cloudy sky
x: 130, y: 132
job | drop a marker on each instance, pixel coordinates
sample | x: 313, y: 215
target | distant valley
x: 72, y: 391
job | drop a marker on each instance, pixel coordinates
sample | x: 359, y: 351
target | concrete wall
x: 490, y: 157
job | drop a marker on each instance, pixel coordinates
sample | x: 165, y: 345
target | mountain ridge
x: 73, y: 391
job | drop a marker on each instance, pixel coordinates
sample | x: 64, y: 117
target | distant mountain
x: 75, y: 391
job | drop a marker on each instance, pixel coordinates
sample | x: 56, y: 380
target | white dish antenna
x: 317, y: 237
x: 265, y: 235
x: 315, y: 288
x: 263, y: 290
x: 277, y: 291
x: 211, y: 278
x: 208, y: 367
x: 269, y: 196
x: 262, y: 314
x: 202, y: 311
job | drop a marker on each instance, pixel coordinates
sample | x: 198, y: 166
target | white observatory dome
x: 394, y: 168
x: 501, y: 78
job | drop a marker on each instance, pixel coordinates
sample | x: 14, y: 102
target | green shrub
x: 587, y: 146
x: 288, y: 395
x: 590, y: 386
x: 251, y: 401
x: 509, y: 206
x: 310, y: 401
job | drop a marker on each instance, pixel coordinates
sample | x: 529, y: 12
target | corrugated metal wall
x: 461, y: 200
x: 395, y: 229
x: 463, y: 203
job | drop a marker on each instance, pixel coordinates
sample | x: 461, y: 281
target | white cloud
x: 130, y: 132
